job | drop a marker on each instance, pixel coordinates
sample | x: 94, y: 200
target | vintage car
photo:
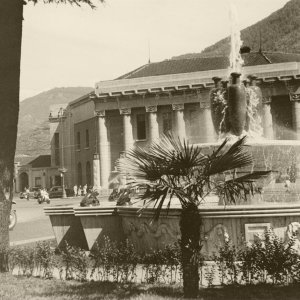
x: 57, y: 192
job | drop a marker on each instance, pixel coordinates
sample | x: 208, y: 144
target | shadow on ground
x: 13, y: 288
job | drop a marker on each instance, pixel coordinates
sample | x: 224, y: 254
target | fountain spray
x: 236, y: 60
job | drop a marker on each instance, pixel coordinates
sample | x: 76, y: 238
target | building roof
x: 178, y: 66
x: 42, y: 161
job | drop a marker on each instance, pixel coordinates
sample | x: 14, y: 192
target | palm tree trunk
x: 11, y: 16
x: 190, y: 237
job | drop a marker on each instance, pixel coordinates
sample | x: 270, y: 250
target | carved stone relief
x: 215, y: 238
x: 178, y: 106
x: 152, y: 108
x: 294, y: 97
x: 255, y: 231
x: 100, y: 113
x: 146, y: 236
x: 293, y: 230
x: 125, y: 111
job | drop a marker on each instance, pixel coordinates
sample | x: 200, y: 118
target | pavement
x: 32, y: 224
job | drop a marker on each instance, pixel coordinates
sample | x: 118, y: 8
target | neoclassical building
x: 89, y: 134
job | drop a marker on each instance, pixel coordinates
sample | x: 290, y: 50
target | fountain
x: 236, y: 110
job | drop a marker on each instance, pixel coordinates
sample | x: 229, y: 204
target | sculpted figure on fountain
x: 236, y: 109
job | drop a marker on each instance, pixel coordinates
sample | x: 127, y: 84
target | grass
x: 16, y: 288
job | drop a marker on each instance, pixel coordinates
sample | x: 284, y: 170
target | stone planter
x: 239, y: 224
x: 66, y: 227
x: 98, y: 222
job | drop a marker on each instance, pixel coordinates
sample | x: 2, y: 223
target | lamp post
x: 62, y: 170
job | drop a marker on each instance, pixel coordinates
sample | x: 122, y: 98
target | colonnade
x: 102, y: 160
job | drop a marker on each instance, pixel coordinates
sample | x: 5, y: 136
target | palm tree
x: 171, y: 168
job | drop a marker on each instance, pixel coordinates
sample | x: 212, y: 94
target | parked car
x: 57, y: 192
x: 33, y: 193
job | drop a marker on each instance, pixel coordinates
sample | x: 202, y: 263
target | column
x: 207, y: 130
x: 127, y: 128
x: 96, y: 172
x: 153, y: 124
x: 295, y: 98
x: 30, y: 179
x: 104, y: 149
x: 44, y: 183
x: 267, y: 121
x: 179, y: 120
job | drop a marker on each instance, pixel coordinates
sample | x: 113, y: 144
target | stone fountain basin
x: 279, y: 156
x: 87, y: 226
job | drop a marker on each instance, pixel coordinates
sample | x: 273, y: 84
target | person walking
x: 79, y: 191
x: 84, y: 190
x: 75, y: 189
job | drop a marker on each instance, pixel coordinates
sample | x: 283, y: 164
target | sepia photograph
x: 150, y: 149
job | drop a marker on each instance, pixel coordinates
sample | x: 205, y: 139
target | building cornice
x: 194, y: 80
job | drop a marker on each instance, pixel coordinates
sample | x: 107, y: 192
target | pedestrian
x: 27, y: 193
x: 75, y: 189
x: 79, y: 191
x: 84, y: 190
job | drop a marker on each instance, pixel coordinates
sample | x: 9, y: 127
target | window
x: 88, y: 174
x: 87, y: 139
x: 79, y: 174
x: 78, y: 141
x: 56, y: 148
x: 167, y: 122
x: 57, y: 180
x: 194, y: 123
x: 38, y: 181
x: 141, y: 126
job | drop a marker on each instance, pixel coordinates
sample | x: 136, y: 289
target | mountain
x: 33, y: 128
x: 279, y: 32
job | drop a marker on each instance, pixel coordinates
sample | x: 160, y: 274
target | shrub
x: 22, y: 258
x: 269, y: 259
x: 227, y: 263
x: 73, y: 262
x: 44, y: 259
x: 105, y: 260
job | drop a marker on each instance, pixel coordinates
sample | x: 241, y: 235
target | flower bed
x: 266, y: 260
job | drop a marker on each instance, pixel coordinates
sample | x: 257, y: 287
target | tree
x: 11, y: 17
x: 171, y: 168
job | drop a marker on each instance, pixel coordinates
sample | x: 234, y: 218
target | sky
x: 65, y: 45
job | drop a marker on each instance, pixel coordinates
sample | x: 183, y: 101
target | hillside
x: 33, y: 128
x: 280, y: 32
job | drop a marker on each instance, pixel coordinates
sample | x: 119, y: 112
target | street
x: 32, y: 223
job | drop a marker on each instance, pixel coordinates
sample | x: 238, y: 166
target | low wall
x: 240, y: 224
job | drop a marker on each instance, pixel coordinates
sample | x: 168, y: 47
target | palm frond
x: 242, y: 187
x: 254, y: 176
x: 235, y: 157
x: 169, y: 156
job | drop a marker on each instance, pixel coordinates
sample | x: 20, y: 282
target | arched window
x: 79, y: 174
x: 88, y: 174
